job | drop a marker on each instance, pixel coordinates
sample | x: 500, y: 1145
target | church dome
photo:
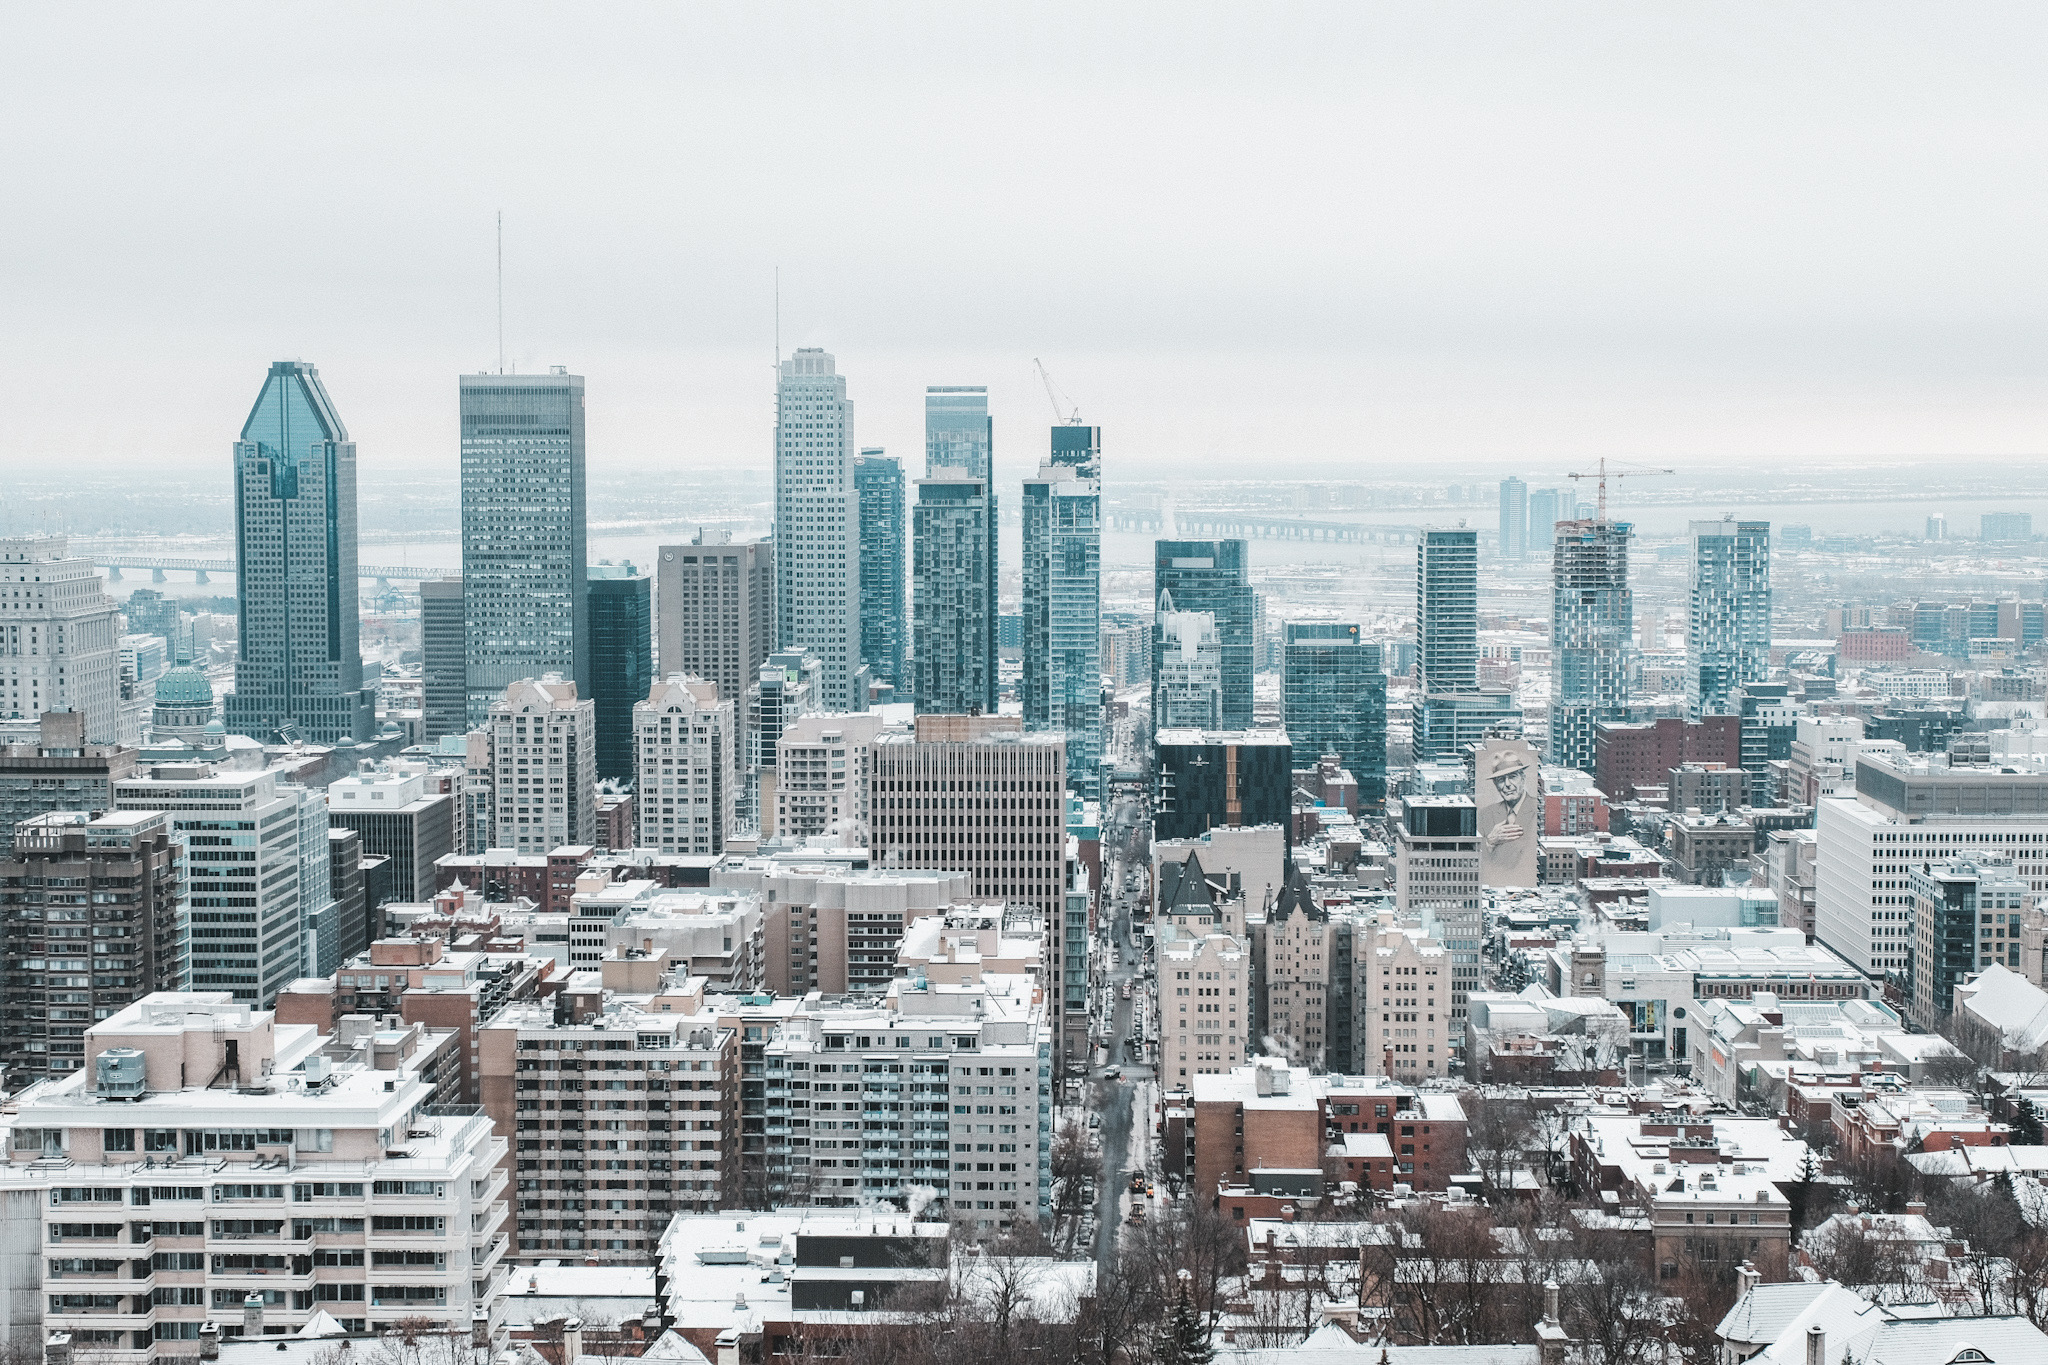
x: 184, y: 686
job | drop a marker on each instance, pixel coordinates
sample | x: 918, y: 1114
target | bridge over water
x: 1222, y: 524
x: 160, y: 568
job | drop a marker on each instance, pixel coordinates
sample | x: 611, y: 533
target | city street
x: 1125, y: 1100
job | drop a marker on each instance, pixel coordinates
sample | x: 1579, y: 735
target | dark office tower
x: 127, y: 868
x: 1062, y: 626
x: 884, y: 629
x: 351, y: 904
x: 953, y: 628
x: 959, y: 435
x: 1208, y: 779
x: 299, y: 669
x: 1728, y: 614
x: 1514, y: 519
x: 1546, y: 509
x: 1336, y: 702
x: 1592, y: 619
x: 622, y: 661
x: 1447, y: 613
x: 525, y: 594
x: 444, y: 642
x: 1212, y: 576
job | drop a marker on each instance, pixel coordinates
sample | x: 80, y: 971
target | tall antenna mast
x: 501, y: 291
x: 778, y: 318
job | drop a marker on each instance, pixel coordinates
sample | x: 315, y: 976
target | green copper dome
x: 184, y: 686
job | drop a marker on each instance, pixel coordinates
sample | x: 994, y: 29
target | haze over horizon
x: 1309, y: 240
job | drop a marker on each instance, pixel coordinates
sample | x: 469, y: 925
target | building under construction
x: 1591, y: 611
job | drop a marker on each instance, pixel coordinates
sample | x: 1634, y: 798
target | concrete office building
x: 1335, y: 702
x: 525, y: 590
x: 1728, y: 614
x: 977, y: 794
x: 884, y: 566
x: 817, y: 523
x: 1966, y: 916
x: 1909, y: 810
x: 124, y: 881
x: 444, y: 651
x: 836, y: 930
x: 1062, y: 645
x: 1514, y: 519
x: 59, y: 637
x: 298, y: 663
x: 686, y: 777
x: 543, y: 765
x: 401, y: 817
x: 952, y: 604
x: 257, y: 867
x: 1592, y: 649
x: 960, y: 437
x: 622, y: 644
x: 348, y: 883
x: 272, y: 1196
x: 1437, y: 881
x: 715, y: 599
x: 61, y: 770
x: 1209, y: 779
x: 1212, y: 576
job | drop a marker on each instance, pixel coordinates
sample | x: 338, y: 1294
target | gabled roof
x: 1295, y: 898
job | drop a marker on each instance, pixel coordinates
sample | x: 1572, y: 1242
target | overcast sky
x: 1247, y: 240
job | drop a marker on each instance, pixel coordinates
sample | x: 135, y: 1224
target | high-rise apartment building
x: 1514, y: 519
x: 686, y: 779
x: 953, y: 621
x: 543, y: 766
x: 1728, y: 616
x: 59, y: 637
x: 298, y: 666
x: 822, y: 764
x: 1447, y: 612
x: 817, y: 522
x: 1966, y: 916
x: 790, y: 684
x: 525, y: 589
x: 977, y: 794
x: 1212, y: 576
x: 1591, y: 642
x: 444, y: 650
x: 715, y: 600
x: 1187, y: 683
x: 1062, y: 642
x: 1335, y: 701
x: 884, y: 536
x: 1547, y: 507
x: 257, y: 874
x: 122, y: 878
x: 238, y: 1138
x: 622, y: 644
x: 61, y: 771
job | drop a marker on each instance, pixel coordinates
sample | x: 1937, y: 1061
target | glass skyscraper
x: 1335, y: 702
x: 1212, y: 576
x: 1546, y: 508
x: 525, y: 595
x: 1062, y: 637
x: 1728, y: 616
x: 884, y: 631
x: 959, y: 435
x: 622, y: 643
x: 299, y: 669
x: 1592, y: 622
x: 817, y: 523
x: 1455, y: 711
x: 953, y: 627
x: 1514, y: 519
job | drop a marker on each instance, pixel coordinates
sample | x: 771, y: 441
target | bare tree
x: 1499, y: 1128
x: 1873, y: 1258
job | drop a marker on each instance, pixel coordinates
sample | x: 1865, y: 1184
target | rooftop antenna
x: 778, y: 318
x: 501, y: 291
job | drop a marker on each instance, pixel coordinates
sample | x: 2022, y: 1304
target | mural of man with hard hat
x: 1510, y: 812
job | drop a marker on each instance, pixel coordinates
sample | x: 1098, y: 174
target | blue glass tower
x: 1336, y: 702
x: 1212, y: 576
x: 1591, y: 635
x: 1062, y: 635
x: 883, y: 630
x: 299, y: 671
x: 959, y: 436
x: 953, y: 627
x: 622, y: 658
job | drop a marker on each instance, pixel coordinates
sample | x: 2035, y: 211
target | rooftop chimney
x: 572, y: 1340
x: 252, y: 1314
x: 209, y: 1341
x: 57, y: 1349
x: 1816, y: 1346
x: 1747, y: 1277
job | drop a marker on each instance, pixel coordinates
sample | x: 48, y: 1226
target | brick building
x: 1627, y: 756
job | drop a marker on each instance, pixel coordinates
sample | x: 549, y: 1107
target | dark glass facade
x: 622, y: 661
x: 884, y: 633
x: 1336, y: 702
x: 1207, y: 780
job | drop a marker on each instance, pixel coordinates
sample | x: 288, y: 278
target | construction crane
x: 1063, y: 408
x: 1603, y: 473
